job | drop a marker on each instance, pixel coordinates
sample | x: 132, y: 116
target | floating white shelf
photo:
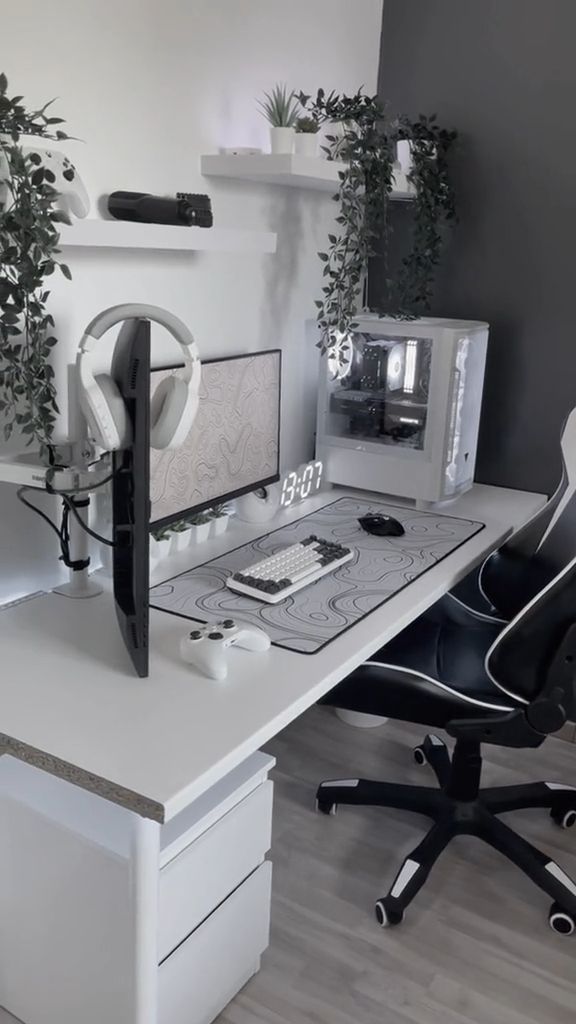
x: 289, y: 169
x: 119, y: 234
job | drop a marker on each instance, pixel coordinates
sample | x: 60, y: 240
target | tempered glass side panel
x: 381, y: 393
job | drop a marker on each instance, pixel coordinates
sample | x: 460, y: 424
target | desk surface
x: 70, y: 704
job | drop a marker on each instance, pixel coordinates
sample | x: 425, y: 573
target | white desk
x: 71, y: 705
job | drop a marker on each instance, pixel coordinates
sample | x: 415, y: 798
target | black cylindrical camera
x: 185, y: 208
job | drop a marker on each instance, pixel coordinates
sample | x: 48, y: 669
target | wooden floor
x: 474, y: 948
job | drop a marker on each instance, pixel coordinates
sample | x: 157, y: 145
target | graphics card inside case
x: 399, y: 406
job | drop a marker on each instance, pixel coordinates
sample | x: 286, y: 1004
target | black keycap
x: 215, y: 636
x: 195, y: 634
x: 228, y: 624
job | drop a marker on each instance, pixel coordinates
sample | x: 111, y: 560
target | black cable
x: 69, y: 503
x: 63, y: 533
x: 19, y: 494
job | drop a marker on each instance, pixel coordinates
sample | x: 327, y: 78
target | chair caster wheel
x: 564, y: 819
x: 420, y: 756
x: 387, y: 917
x: 561, y: 921
x: 325, y: 806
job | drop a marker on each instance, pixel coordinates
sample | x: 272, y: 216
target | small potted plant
x: 280, y: 110
x: 160, y: 545
x: 181, y: 535
x: 220, y: 516
x: 200, y: 524
x: 306, y: 138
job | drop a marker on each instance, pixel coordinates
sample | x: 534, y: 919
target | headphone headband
x: 102, y: 322
x: 176, y: 400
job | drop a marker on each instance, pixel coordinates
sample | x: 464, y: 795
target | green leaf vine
x: 29, y: 239
x: 367, y: 145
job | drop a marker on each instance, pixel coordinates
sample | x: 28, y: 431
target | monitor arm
x: 73, y: 475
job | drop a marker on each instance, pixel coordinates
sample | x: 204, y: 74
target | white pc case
x: 399, y: 406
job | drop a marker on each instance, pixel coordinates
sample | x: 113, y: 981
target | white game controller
x: 73, y: 196
x: 205, y: 647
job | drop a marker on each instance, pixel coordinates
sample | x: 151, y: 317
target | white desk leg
x: 144, y: 868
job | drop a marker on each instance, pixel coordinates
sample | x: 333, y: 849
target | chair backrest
x: 521, y: 657
x: 542, y: 547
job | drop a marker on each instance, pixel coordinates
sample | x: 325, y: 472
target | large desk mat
x: 309, y: 619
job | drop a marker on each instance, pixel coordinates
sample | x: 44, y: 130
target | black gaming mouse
x: 382, y: 526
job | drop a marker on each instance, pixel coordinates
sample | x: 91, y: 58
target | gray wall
x: 503, y: 72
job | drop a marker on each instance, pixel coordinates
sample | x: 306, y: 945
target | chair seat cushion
x: 431, y: 673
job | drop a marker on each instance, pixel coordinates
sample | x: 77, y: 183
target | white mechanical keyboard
x: 289, y: 570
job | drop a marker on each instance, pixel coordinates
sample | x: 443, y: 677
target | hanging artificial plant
x: 28, y: 255
x: 367, y: 144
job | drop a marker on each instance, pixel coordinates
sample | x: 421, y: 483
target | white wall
x: 149, y: 87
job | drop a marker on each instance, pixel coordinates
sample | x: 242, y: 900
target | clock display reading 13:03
x: 300, y: 483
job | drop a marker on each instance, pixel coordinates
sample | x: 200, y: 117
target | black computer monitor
x: 130, y: 492
x: 234, y: 444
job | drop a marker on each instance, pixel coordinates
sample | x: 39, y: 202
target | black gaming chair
x: 497, y: 588
x: 482, y: 682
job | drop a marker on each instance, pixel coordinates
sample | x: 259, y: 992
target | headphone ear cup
x: 112, y: 423
x: 166, y: 413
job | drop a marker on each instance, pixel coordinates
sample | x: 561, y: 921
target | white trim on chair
x: 483, y: 616
x: 441, y: 686
x: 511, y: 625
x: 568, y: 472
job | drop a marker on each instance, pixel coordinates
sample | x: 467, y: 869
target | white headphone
x: 174, y: 402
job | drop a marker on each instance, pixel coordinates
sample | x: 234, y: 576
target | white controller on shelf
x: 205, y: 646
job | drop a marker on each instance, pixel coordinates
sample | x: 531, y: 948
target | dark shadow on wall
x: 503, y: 74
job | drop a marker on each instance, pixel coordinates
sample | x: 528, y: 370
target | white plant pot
x: 219, y: 525
x: 200, y: 532
x: 306, y: 143
x: 159, y: 550
x: 359, y: 720
x: 173, y: 539
x: 182, y: 539
x: 282, y: 140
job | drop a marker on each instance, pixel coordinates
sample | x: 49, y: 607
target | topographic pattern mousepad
x: 309, y: 619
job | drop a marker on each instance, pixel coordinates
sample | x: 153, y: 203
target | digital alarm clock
x: 301, y: 483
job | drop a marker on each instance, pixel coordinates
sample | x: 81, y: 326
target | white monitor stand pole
x: 80, y: 584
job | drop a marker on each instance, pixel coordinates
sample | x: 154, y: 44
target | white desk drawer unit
x: 208, y: 927
x: 206, y: 971
x: 220, y: 859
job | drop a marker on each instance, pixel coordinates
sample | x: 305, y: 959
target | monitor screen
x: 234, y: 444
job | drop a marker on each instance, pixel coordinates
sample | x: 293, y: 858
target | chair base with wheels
x: 460, y: 807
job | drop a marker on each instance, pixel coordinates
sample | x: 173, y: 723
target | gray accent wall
x: 503, y: 73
